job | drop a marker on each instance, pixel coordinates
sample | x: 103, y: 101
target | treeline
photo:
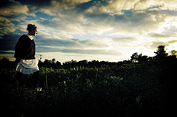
x: 160, y: 54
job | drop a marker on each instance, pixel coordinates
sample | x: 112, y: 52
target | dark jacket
x: 25, y: 48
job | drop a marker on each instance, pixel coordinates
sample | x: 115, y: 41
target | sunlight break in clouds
x: 90, y: 29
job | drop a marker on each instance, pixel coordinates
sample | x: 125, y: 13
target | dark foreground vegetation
x: 127, y: 89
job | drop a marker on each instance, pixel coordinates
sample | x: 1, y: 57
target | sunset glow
x: 105, y: 30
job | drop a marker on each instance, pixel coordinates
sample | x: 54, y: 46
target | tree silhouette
x: 160, y: 53
x: 173, y: 53
x: 142, y: 58
x: 138, y: 58
x: 134, y: 57
x: 58, y: 63
x: 53, y: 60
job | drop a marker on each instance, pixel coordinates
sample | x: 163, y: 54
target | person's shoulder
x: 23, y: 37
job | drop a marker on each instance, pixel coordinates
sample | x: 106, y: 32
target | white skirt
x: 27, y: 66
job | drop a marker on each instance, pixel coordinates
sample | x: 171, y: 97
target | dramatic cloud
x: 122, y: 41
x: 157, y: 43
x: 6, y: 26
x: 12, y: 8
x: 90, y: 28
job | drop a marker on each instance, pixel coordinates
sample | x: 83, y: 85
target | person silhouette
x: 25, y: 55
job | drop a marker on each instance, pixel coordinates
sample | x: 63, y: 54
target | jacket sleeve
x: 18, y: 49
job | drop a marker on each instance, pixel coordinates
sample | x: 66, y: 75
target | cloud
x: 39, y: 3
x: 130, y: 22
x: 96, y: 17
x: 8, y: 42
x: 155, y: 44
x: 91, y: 43
x: 169, y: 4
x: 62, y: 8
x: 124, y: 39
x: 136, y: 16
x: 41, y: 42
x: 6, y: 26
x: 7, y: 51
x: 73, y: 46
x: 172, y: 41
x: 116, y: 6
x: 169, y: 12
x: 98, y: 27
x: 12, y: 8
x: 70, y: 43
x: 167, y: 31
x: 73, y: 17
x: 129, y: 16
x: 158, y: 35
x: 65, y: 25
x: 80, y: 51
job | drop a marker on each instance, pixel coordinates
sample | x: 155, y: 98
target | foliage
x: 127, y: 90
x: 161, y: 53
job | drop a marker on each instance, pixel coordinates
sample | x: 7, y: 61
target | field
x: 127, y: 90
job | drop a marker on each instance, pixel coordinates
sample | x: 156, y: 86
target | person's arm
x: 19, y: 49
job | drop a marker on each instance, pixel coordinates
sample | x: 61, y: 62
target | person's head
x: 32, y: 29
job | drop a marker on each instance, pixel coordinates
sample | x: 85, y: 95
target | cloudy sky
x: 109, y: 30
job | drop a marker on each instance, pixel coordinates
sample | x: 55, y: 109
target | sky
x: 104, y: 30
